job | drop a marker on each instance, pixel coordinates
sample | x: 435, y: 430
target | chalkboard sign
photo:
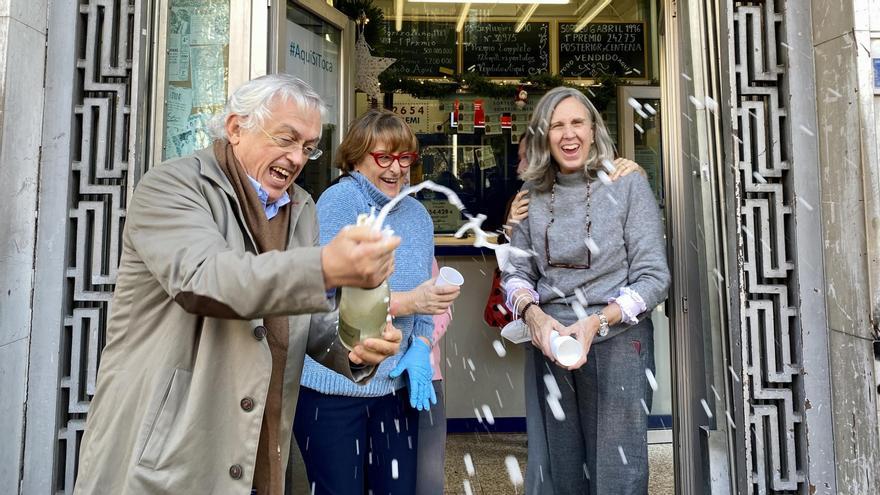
x: 422, y: 49
x: 612, y: 48
x: 494, y: 49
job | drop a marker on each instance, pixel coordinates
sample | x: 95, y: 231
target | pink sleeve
x: 512, y: 285
x: 440, y: 321
x: 631, y: 305
x: 440, y: 324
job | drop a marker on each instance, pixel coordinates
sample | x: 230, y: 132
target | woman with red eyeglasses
x: 360, y: 438
x: 599, y: 269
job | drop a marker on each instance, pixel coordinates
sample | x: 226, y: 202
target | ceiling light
x: 519, y: 2
x: 398, y: 15
x: 591, y: 14
x: 462, y: 17
x: 525, y: 17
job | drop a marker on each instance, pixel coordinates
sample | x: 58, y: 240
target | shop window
x: 482, y: 53
x: 312, y: 52
x: 196, y: 65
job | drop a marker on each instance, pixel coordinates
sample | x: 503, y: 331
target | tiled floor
x: 488, y: 452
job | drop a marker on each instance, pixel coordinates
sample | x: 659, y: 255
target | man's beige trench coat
x: 184, y: 374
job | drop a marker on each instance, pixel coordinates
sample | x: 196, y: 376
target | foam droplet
x: 706, y: 408
x: 469, y: 465
x: 651, y: 380
x: 513, y: 470
x: 487, y: 413
x: 551, y: 386
x: 499, y: 348
x: 592, y: 246
x: 555, y: 408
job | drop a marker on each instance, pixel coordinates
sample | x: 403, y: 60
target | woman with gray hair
x: 599, y: 269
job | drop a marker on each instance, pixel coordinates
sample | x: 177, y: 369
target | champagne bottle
x: 362, y: 313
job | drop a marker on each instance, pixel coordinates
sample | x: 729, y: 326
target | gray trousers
x: 431, y: 461
x: 537, y: 468
x: 601, y: 447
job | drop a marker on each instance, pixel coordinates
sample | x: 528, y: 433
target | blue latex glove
x: 417, y: 364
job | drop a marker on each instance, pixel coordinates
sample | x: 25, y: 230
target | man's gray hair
x: 251, y: 101
x: 542, y: 169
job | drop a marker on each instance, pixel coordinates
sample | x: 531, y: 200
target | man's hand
x: 426, y: 299
x: 373, y: 351
x: 623, y: 167
x: 358, y: 257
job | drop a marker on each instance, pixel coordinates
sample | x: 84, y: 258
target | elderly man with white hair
x: 222, y: 290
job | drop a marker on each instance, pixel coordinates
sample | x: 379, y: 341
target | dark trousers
x: 352, y: 445
x: 432, y: 446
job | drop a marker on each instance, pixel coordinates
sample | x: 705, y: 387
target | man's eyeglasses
x: 290, y: 144
x: 385, y: 160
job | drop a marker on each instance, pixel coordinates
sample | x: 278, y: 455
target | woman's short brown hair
x: 374, y: 126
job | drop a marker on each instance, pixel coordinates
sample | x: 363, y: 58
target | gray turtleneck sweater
x: 627, y: 230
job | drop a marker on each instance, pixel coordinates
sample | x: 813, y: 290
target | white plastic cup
x: 566, y: 349
x: 449, y: 276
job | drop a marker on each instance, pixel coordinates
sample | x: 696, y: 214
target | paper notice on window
x: 178, y: 107
x: 180, y: 144
x: 198, y: 122
x: 466, y: 156
x: 208, y: 75
x: 207, y: 28
x: 493, y: 126
x: 178, y: 57
x: 180, y: 21
x: 485, y: 157
x: 194, y: 136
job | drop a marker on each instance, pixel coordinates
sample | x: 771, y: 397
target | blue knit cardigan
x: 339, y: 206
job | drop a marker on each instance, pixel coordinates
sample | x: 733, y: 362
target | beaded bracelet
x: 526, y: 308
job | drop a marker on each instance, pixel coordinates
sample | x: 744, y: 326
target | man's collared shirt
x: 271, y: 208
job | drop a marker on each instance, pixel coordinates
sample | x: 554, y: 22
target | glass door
x: 314, y: 43
x: 704, y: 388
x: 638, y: 110
x: 193, y: 74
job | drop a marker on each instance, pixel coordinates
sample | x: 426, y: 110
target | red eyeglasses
x: 385, y: 160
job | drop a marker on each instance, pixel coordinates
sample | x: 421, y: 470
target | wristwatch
x: 603, y: 323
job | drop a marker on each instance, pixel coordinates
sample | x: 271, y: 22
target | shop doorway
x: 468, y: 120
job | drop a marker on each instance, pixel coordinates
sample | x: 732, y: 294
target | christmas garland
x: 369, y: 17
x: 601, y: 94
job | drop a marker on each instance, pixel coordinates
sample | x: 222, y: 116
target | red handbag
x: 496, y: 313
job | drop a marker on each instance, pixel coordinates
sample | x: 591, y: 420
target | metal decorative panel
x: 771, y: 350
x: 102, y: 152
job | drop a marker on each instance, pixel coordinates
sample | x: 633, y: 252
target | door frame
x: 275, y: 55
x: 692, y: 137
